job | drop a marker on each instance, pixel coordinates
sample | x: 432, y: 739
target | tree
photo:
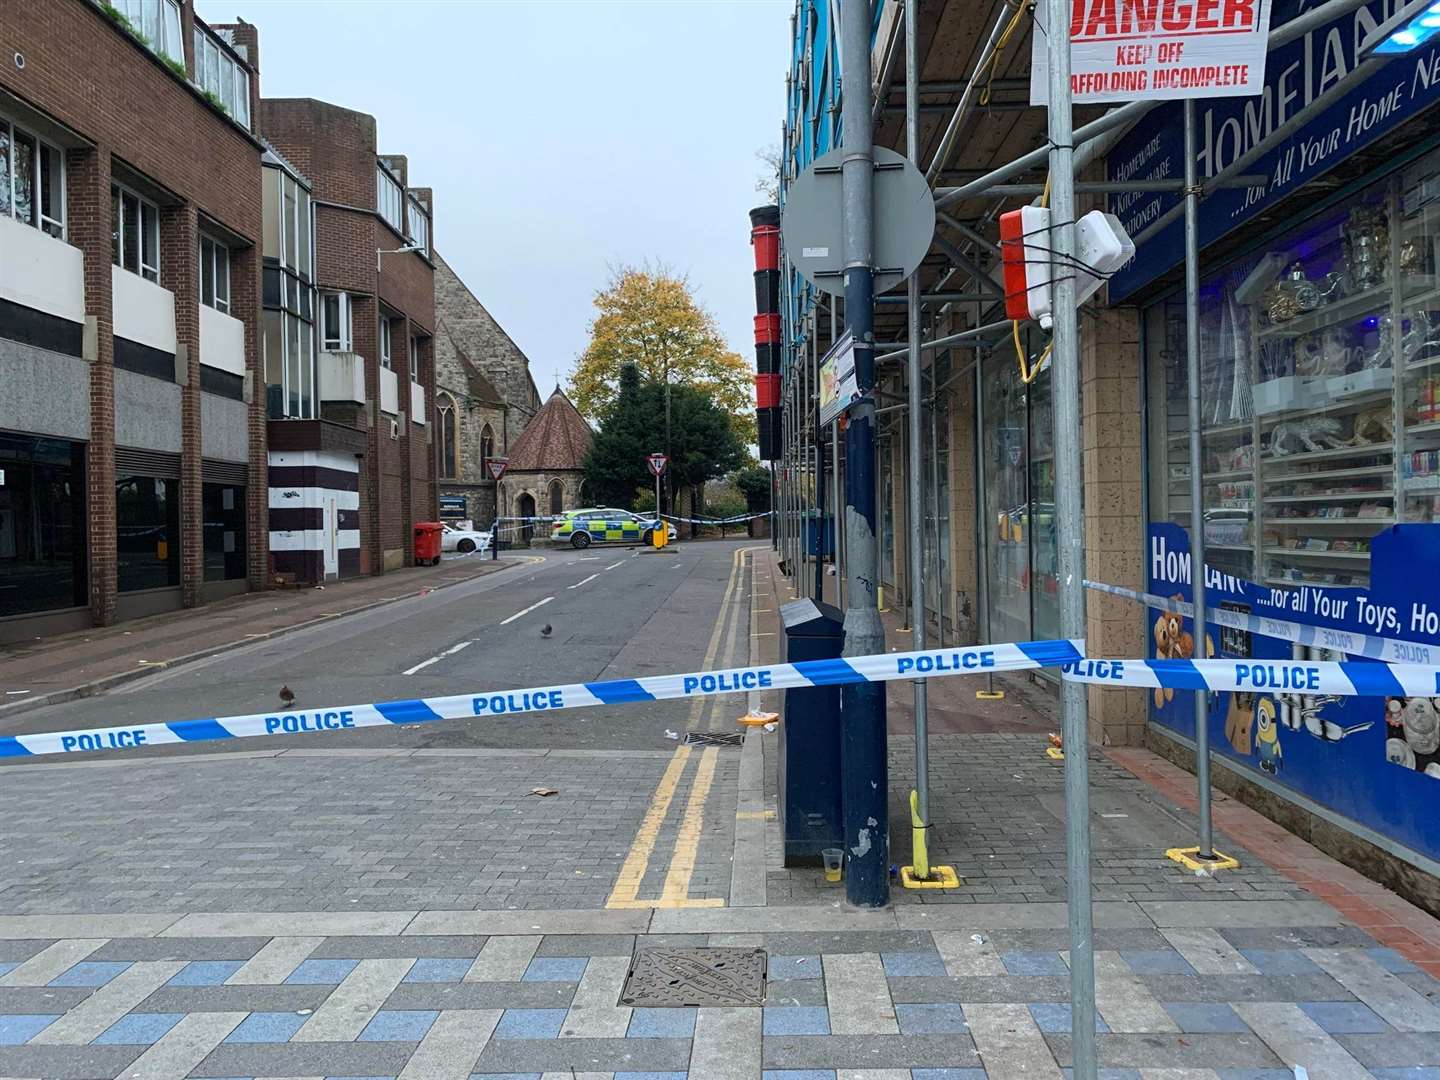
x: 704, y: 443
x: 767, y: 182
x: 650, y: 318
x: 753, y: 481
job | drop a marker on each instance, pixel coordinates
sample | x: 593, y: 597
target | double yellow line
x: 675, y: 893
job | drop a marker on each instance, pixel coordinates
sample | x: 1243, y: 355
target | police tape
x: 1340, y: 678
x: 883, y: 667
x: 734, y: 520
x: 1350, y: 642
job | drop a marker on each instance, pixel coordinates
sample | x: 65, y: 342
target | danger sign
x: 1121, y: 50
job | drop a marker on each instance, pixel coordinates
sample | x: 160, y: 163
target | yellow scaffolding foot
x: 990, y: 695
x: 1054, y: 753
x: 758, y: 719
x: 1189, y: 857
x: 941, y: 877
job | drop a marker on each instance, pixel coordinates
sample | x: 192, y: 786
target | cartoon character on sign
x: 1267, y: 736
x: 1239, y: 719
x: 1413, y: 733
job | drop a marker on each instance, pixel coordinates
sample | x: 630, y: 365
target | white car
x: 463, y: 540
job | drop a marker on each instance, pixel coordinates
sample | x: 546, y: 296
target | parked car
x: 605, y: 525
x: 463, y: 540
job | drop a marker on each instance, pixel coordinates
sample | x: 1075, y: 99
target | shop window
x: 214, y: 274
x: 42, y: 524
x: 1303, y: 341
x: 135, y: 241
x: 147, y: 530
x: 223, y: 506
x: 449, y: 440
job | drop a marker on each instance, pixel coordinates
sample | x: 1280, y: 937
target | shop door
x: 331, y: 527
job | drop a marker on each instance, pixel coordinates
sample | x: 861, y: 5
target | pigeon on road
x: 545, y: 630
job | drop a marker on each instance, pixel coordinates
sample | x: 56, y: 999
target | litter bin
x: 809, y: 764
x: 819, y: 535
x: 427, y: 542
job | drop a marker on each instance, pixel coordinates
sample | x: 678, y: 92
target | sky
x: 563, y: 138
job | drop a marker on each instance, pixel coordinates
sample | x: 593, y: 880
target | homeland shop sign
x: 1296, y: 75
x: 1121, y: 50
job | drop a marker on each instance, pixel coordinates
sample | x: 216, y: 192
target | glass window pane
x: 207, y: 272
x: 271, y: 194
x: 292, y: 366
x: 52, y: 190
x: 222, y: 277
x: 199, y: 55
x: 130, y: 232
x: 172, y: 46
x: 274, y: 365
x: 42, y: 524
x: 115, y: 225
x: 303, y: 232
x: 227, y: 84
x: 4, y: 168
x: 307, y: 369
x: 242, y: 96
x: 150, y: 22
x: 224, y: 531
x: 289, y: 258
x: 212, y: 67
x: 147, y: 526
x: 25, y: 208
x: 150, y: 241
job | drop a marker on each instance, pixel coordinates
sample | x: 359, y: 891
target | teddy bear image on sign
x: 1413, y: 733
x: 1173, y: 642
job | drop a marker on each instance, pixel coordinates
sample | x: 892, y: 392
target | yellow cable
x: 999, y: 54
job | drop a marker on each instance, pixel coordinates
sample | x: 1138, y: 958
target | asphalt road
x: 615, y: 612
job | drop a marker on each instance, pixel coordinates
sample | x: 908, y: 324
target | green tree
x: 651, y: 319
x: 615, y: 465
x: 754, y: 483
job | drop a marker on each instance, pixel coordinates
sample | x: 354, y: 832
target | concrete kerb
x: 108, y: 682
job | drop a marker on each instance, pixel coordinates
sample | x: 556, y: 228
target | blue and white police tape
x: 927, y: 663
x: 733, y: 520
x: 1344, y: 678
x: 1350, y: 642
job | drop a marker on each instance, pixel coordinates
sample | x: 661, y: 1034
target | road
x: 613, y: 612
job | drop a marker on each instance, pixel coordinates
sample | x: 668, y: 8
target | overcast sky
x: 561, y: 138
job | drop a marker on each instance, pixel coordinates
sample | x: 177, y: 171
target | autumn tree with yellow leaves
x: 648, y: 317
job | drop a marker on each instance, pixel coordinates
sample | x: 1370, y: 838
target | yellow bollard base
x: 941, y: 877
x: 1188, y: 858
x: 758, y: 719
x: 990, y: 695
x: 1054, y: 753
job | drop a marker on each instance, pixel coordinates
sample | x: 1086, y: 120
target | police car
x: 605, y: 525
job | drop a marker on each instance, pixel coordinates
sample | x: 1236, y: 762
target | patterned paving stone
x: 947, y: 1074
x: 930, y: 1019
x: 555, y: 969
x: 138, y: 1029
x: 1391, y: 961
x: 1156, y: 962
x: 530, y: 1024
x: 1202, y: 1017
x: 798, y: 1074
x: 1021, y: 963
x: 795, y: 967
x: 16, y: 1030
x: 651, y: 1075
x: 438, y: 970
x: 661, y: 1024
x: 206, y: 973
x: 398, y: 1025
x: 1344, y: 1017
x: 1053, y: 1017
x: 1281, y: 962
x: 912, y: 963
x: 8, y: 966
x: 89, y: 973
x: 321, y: 972
x: 262, y: 1027
x: 797, y: 1020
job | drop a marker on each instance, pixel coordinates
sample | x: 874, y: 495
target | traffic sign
x: 657, y: 463
x: 496, y: 465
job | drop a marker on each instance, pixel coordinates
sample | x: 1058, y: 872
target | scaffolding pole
x: 1069, y: 477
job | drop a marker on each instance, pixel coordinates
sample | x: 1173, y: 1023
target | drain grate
x: 695, y: 977
x: 716, y: 738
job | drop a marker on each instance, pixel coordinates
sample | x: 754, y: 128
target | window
x: 289, y: 298
x: 557, y: 497
x: 135, y: 242
x: 222, y: 77
x: 156, y: 23
x: 42, y: 524
x: 449, y: 441
x: 388, y: 198
x: 487, y: 449
x: 414, y: 359
x: 419, y: 225
x: 335, y: 322
x: 32, y: 180
x: 147, y: 529
x: 385, y: 343
x: 214, y: 274
x: 223, y: 512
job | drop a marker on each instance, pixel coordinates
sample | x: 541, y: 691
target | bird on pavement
x: 287, y: 696
x: 545, y: 630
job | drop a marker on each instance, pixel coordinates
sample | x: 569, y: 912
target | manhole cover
x: 680, y: 977
x: 716, y: 738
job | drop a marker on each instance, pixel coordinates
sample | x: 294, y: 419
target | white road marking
x: 589, y: 579
x: 437, y: 658
x: 615, y: 564
x: 526, y: 611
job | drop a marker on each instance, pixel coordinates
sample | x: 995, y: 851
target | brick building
x: 132, y: 453
x: 352, y: 321
x: 485, y: 396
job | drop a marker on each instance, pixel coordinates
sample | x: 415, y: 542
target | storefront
x: 42, y: 524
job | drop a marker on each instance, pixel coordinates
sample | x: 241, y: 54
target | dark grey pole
x: 1069, y: 475
x: 865, y: 783
x: 1197, y: 485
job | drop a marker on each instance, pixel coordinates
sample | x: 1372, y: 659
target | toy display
x: 1412, y: 728
x: 1314, y: 433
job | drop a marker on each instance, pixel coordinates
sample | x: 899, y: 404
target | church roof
x: 556, y: 438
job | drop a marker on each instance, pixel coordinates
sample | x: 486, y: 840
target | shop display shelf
x: 1228, y: 475
x: 1221, y: 432
x: 1332, y: 496
x: 1375, y: 298
x: 1361, y: 582
x: 1325, y: 474
x: 1323, y: 522
x: 1364, y: 450
x: 1429, y: 428
x: 1302, y: 553
x: 1211, y: 545
x: 1420, y: 365
x: 1346, y: 404
x: 1416, y: 484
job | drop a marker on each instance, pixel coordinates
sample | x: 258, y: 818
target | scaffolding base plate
x: 1189, y: 857
x: 990, y: 695
x: 941, y: 877
x: 1054, y: 753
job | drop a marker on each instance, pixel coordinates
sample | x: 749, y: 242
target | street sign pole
x: 497, y: 467
x: 1065, y: 384
x: 657, y: 463
x: 865, y: 784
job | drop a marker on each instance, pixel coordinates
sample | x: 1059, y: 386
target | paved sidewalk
x: 65, y: 666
